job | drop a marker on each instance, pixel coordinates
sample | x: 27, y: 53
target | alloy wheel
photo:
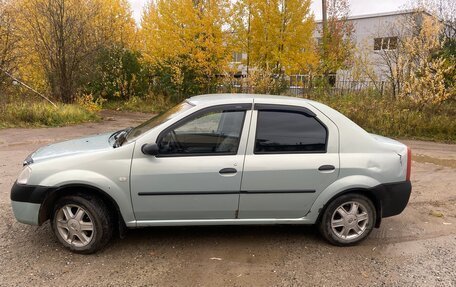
x: 75, y: 225
x: 349, y: 220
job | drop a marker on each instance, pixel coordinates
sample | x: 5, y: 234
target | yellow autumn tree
x: 276, y: 35
x: 185, y: 44
x: 425, y: 83
x: 114, y: 23
x: 8, y: 39
x: 60, y: 39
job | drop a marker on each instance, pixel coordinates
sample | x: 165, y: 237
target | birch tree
x: 276, y: 34
x: 185, y: 43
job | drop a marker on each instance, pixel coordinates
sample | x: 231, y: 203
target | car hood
x: 72, y: 147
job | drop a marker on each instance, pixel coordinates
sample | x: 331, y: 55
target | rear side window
x: 289, y: 132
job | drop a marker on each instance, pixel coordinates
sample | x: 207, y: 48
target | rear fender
x: 358, y: 183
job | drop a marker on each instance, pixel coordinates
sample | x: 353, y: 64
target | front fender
x: 118, y: 190
x: 354, y: 182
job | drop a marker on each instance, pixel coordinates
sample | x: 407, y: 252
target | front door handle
x: 227, y: 170
x: 326, y: 167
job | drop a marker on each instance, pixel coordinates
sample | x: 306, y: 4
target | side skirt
x: 199, y: 222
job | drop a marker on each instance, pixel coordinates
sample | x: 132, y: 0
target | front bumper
x: 26, y: 201
x: 26, y: 212
x: 393, y: 197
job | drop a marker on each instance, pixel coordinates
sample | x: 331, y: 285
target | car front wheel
x: 348, y: 219
x: 81, y: 223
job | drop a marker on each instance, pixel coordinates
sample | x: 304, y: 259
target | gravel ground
x: 416, y: 248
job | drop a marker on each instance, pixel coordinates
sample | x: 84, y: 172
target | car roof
x: 242, y: 98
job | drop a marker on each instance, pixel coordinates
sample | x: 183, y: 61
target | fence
x: 339, y: 88
x: 306, y: 87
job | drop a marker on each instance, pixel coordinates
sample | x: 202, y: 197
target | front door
x: 197, y: 174
x: 292, y: 156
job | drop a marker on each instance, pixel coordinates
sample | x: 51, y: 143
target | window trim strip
x: 284, y: 108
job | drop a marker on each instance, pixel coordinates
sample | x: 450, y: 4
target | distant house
x: 375, y: 34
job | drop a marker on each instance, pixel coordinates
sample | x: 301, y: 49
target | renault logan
x: 215, y: 160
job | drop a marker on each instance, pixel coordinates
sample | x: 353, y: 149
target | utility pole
x: 324, y: 9
x: 324, y: 36
x: 248, y: 39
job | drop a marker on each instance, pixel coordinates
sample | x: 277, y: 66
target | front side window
x: 289, y: 132
x: 213, y: 132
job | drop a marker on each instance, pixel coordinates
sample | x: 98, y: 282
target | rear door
x: 292, y: 155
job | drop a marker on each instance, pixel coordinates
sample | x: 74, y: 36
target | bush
x: 397, y: 118
x: 89, y: 103
x: 118, y: 73
x: 177, y: 80
x: 43, y: 115
x: 149, y: 104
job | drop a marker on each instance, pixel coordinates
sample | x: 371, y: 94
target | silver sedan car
x: 217, y: 160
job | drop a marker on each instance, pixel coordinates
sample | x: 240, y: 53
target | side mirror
x: 150, y: 149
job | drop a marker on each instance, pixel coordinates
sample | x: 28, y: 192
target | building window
x: 386, y: 43
x: 237, y: 57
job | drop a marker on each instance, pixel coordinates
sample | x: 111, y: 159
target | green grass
x: 136, y: 104
x: 380, y: 115
x: 397, y: 118
x: 43, y: 115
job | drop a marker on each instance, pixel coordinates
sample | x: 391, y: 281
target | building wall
x: 366, y: 29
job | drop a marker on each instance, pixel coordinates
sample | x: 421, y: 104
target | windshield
x: 157, y: 120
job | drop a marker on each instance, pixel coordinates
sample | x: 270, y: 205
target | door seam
x: 236, y: 214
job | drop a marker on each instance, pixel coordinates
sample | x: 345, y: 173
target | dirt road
x: 416, y: 248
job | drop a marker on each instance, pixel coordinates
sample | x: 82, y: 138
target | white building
x: 373, y: 36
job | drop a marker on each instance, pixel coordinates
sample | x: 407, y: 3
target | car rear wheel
x: 348, y: 219
x: 81, y: 223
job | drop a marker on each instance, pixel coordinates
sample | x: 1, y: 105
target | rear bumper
x: 26, y: 201
x: 393, y: 197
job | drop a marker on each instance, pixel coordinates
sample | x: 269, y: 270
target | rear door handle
x: 227, y: 170
x: 326, y: 167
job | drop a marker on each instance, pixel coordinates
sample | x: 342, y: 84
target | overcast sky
x: 358, y: 7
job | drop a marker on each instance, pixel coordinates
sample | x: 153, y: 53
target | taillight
x: 409, y: 163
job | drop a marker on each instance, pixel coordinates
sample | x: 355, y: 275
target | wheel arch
x: 46, y: 208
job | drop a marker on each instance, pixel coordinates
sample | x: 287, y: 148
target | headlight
x: 24, y: 176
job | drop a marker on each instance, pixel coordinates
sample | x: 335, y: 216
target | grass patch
x: 153, y: 105
x: 43, y: 115
x: 397, y: 118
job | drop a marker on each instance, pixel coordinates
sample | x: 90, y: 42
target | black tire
x: 335, y: 236
x: 96, y: 212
